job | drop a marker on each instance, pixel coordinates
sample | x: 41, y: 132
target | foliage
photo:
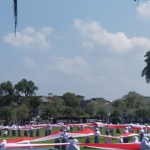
x: 90, y: 109
x: 146, y: 70
x: 119, y: 104
x: 25, y: 88
x: 102, y: 112
x: 49, y: 111
x: 134, y: 100
x: 71, y: 100
x: 131, y: 113
x: 116, y: 115
x: 22, y: 112
x: 7, y: 113
x: 143, y: 113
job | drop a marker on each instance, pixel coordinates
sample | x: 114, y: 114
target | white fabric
x: 3, y: 144
x: 120, y: 140
x: 74, y: 145
x: 145, y: 144
x: 135, y: 139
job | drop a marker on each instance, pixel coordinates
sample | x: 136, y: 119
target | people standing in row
x: 97, y: 136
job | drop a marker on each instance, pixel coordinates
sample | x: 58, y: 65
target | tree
x: 102, y: 112
x: 133, y: 99
x: 71, y: 100
x: 49, y: 111
x: 101, y: 102
x: 7, y: 113
x: 90, y: 109
x: 22, y: 112
x: 119, y: 104
x: 131, y: 113
x: 146, y: 70
x: 33, y: 104
x: 69, y: 112
x: 143, y: 113
x: 116, y: 114
x: 7, y: 93
x: 25, y: 88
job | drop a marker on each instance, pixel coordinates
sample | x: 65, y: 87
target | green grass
x: 81, y: 140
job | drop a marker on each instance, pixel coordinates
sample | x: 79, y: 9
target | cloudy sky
x: 93, y: 48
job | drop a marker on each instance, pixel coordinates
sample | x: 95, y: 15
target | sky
x: 93, y: 48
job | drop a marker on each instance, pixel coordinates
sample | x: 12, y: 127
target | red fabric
x: 124, y: 146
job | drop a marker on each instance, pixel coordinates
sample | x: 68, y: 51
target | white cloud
x: 29, y: 38
x: 144, y: 10
x: 30, y: 63
x: 76, y: 65
x: 112, y: 63
x: 94, y: 34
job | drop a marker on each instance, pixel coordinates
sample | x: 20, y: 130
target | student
x: 145, y: 144
x: 6, y: 133
x: 3, y: 144
x: 97, y: 136
x: 57, y: 141
x: 64, y: 136
x: 141, y: 134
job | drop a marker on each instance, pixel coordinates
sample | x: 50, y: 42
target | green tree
x: 69, y: 112
x: 143, y: 113
x: 102, y: 112
x: 146, y: 70
x: 25, y: 88
x: 131, y: 113
x: 91, y: 108
x: 49, y: 112
x: 116, y: 115
x: 22, y: 112
x: 133, y: 99
x: 7, y: 113
x: 119, y: 104
x: 71, y: 100
x: 7, y: 93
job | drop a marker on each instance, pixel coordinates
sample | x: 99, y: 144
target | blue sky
x: 91, y: 48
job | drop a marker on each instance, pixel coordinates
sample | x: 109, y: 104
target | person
x: 0, y: 130
x: 78, y: 128
x: 146, y: 129
x: 57, y: 141
x: 37, y: 132
x: 64, y: 136
x: 108, y: 140
x: 111, y: 130
x: 82, y: 127
x: 117, y: 130
x: 87, y: 140
x: 26, y: 131
x: 135, y: 139
x: 141, y: 134
x: 68, y: 128
x: 73, y: 144
x: 46, y: 133
x: 19, y: 132
x: 107, y: 130
x: 145, y: 144
x: 120, y: 140
x: 97, y: 136
x: 126, y: 139
x: 31, y: 131
x: 3, y: 144
x: 71, y: 128
x: 6, y: 133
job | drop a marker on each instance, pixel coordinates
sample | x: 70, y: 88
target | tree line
x: 19, y: 102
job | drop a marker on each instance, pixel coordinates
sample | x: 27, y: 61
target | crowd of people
x: 73, y: 143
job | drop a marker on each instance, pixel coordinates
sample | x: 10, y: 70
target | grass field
x: 81, y: 140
